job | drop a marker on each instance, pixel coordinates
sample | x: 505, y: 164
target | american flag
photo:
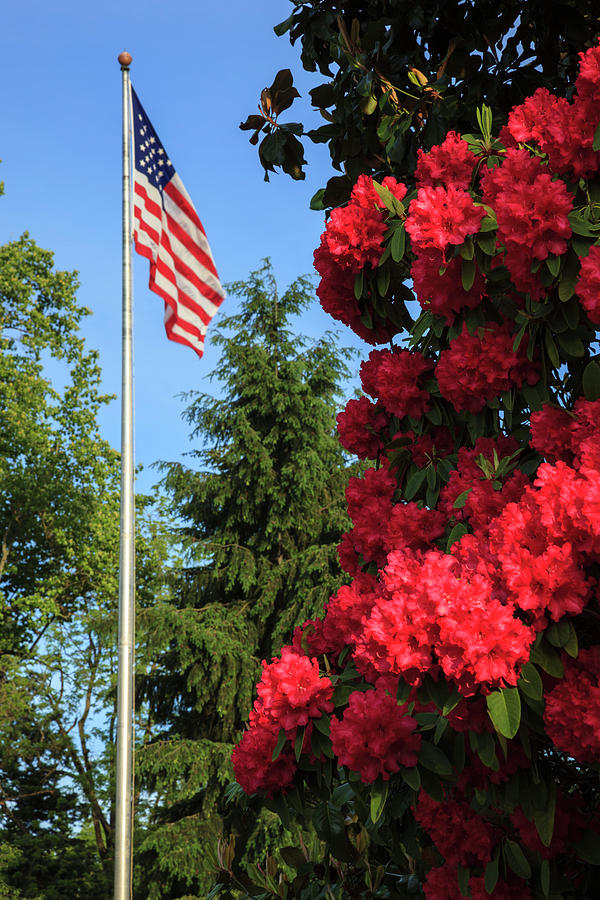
x: 168, y: 232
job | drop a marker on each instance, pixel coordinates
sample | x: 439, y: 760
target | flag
x: 168, y: 232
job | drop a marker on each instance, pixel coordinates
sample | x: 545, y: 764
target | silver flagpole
x: 125, y: 696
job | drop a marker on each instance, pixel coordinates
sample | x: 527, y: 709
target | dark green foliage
x: 262, y: 517
x: 401, y: 73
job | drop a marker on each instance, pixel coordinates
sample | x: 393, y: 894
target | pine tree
x: 262, y: 517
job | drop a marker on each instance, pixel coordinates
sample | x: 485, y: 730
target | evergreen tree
x: 261, y: 520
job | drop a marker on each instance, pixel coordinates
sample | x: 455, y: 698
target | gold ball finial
x: 125, y: 59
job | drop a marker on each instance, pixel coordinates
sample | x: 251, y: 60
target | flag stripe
x: 158, y: 223
x: 194, y: 279
x: 169, y: 233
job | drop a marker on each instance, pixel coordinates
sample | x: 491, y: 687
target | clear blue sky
x: 198, y: 68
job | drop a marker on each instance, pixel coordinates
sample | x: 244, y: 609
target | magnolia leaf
x: 504, y: 709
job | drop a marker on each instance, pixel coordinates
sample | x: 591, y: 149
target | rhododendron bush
x: 439, y: 725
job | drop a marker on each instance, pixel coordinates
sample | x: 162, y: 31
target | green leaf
x: 434, y: 759
x: 464, y: 875
x: 467, y: 273
x: 544, y: 819
x: 292, y: 857
x: 330, y: 826
x: 591, y: 381
x: 596, y: 142
x: 588, y: 848
x: 398, y: 244
x: 545, y: 877
x: 548, y: 659
x: 298, y: 742
x: 379, y: 793
x: 442, y: 724
x: 414, y: 483
x: 516, y: 859
x: 383, y: 281
x: 488, y: 223
x: 580, y: 225
x: 551, y: 349
x: 553, y: 265
x: 530, y: 682
x: 486, y: 750
x: 504, y: 709
x: 358, y: 285
x: 461, y: 499
x: 281, y: 739
x: 571, y: 344
x: 412, y: 777
x: 490, y: 878
x: 487, y: 243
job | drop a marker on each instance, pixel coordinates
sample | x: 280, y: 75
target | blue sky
x: 198, y: 68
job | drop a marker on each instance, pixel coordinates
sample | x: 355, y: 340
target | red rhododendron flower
x: 449, y: 163
x: 412, y: 528
x: 336, y: 294
x: 347, y: 609
x: 551, y: 433
x: 395, y: 378
x: 291, y: 691
x: 444, y: 294
x: 441, y: 883
x: 487, y: 494
x: 375, y: 736
x: 588, y: 284
x: 362, y: 428
x: 532, y: 212
x: 253, y: 767
x: 370, y: 507
x: 431, y: 447
x: 572, y: 708
x: 478, y: 367
x: 461, y: 836
x: 562, y: 130
x: 441, y: 217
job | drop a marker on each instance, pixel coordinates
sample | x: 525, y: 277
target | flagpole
x: 125, y: 694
